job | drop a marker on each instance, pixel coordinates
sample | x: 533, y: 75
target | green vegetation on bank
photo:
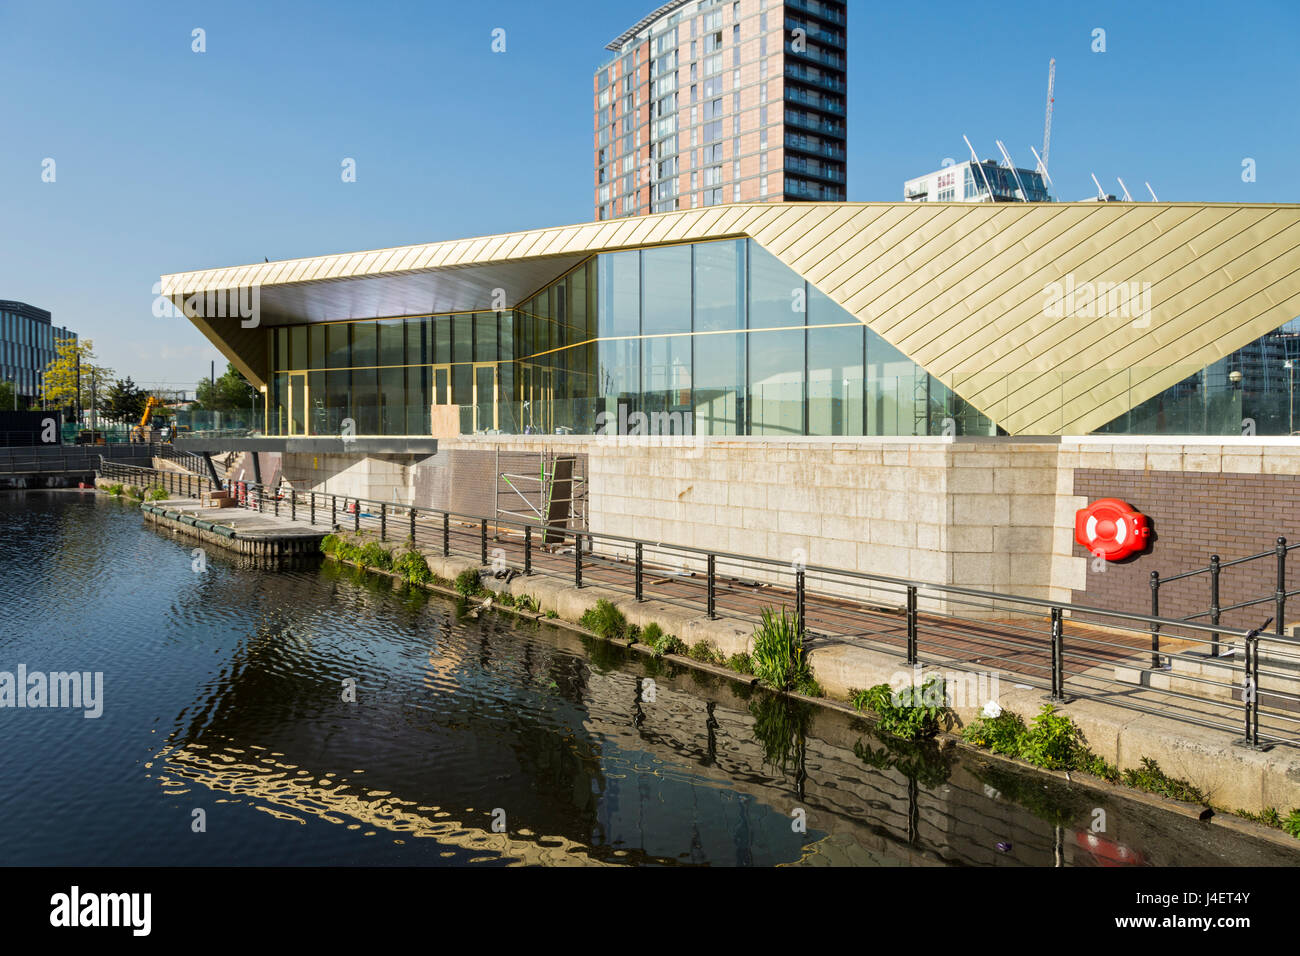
x: 779, y: 658
x: 912, y: 713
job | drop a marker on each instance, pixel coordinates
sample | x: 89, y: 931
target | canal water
x: 227, y: 736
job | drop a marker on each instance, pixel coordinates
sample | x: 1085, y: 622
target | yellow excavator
x: 144, y: 432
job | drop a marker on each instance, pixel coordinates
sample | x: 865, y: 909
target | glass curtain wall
x: 711, y: 338
x: 1250, y: 392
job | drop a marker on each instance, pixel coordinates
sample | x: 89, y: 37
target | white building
x: 974, y: 182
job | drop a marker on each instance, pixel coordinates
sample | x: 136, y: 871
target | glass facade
x: 710, y: 338
x: 28, y: 344
x: 1250, y: 392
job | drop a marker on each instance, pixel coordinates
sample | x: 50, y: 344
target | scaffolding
x: 549, y: 488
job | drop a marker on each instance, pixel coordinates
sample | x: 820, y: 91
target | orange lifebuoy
x: 1111, y: 528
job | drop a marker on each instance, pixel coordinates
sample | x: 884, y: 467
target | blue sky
x: 169, y: 160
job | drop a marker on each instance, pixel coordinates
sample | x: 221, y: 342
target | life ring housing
x: 1111, y: 528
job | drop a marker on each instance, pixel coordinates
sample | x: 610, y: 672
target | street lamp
x: 1290, y: 372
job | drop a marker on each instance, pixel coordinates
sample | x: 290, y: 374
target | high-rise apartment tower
x: 717, y: 101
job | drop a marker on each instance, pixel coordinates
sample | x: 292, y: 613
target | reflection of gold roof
x: 959, y: 288
x: 290, y: 793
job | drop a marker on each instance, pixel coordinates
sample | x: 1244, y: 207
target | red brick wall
x: 1194, y: 515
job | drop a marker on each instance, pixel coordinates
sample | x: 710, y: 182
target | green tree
x: 231, y: 392
x: 125, y: 400
x: 7, y: 398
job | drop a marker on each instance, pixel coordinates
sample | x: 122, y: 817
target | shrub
x: 468, y: 583
x: 1151, y: 778
x: 133, y: 492
x: 779, y: 658
x: 158, y: 493
x: 604, y: 619
x: 912, y: 713
x: 652, y: 633
x: 668, y: 644
x: 740, y: 663
x: 552, y: 614
x: 330, y: 544
x: 1053, y: 741
x: 1292, y: 823
x: 706, y: 653
x: 1001, y: 734
x: 809, y: 687
x: 413, y: 568
x: 1099, y: 768
x: 506, y: 599
x: 526, y: 602
x: 114, y: 489
x: 372, y: 555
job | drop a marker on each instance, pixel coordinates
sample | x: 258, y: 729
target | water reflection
x: 471, y: 739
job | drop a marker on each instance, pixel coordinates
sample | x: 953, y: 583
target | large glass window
x: 392, y: 400
x: 715, y: 338
x: 776, y: 382
x: 666, y: 384
x: 620, y: 294
x: 719, y: 384
x: 777, y: 294
x: 364, y: 343
x: 719, y: 286
x: 666, y: 299
x: 392, y: 342
x: 893, y: 384
x: 336, y: 341
x: 365, y: 400
x: 835, y: 383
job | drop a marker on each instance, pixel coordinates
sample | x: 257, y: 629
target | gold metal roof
x: 958, y: 288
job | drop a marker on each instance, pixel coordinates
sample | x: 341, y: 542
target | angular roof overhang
x: 960, y: 289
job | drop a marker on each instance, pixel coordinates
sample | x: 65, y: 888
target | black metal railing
x: 1067, y: 650
x: 1213, y: 575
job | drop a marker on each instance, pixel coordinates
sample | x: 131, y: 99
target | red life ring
x: 1111, y: 528
x: 1107, y: 852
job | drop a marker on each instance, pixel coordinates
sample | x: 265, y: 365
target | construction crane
x: 1047, y: 125
x: 143, y: 431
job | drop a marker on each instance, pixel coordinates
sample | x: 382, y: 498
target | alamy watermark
x: 646, y: 428
x: 955, y: 689
x: 243, y: 303
x: 1098, y: 300
x: 36, y: 689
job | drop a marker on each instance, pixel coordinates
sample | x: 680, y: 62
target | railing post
x: 1058, y: 656
x: 356, y: 516
x: 577, y: 560
x: 911, y: 624
x: 482, y: 540
x: 293, y: 505
x: 713, y: 589
x: 446, y: 534
x: 1155, y: 628
x: 1254, y: 686
x: 334, y: 511
x: 1214, y: 604
x: 1279, y: 614
x: 640, y: 574
x: 800, y: 603
x: 311, y: 515
x: 528, y: 550
x: 412, y: 526
x: 383, y: 521
x: 1250, y: 690
x: 277, y: 503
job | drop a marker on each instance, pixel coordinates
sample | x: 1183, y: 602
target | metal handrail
x: 728, y: 569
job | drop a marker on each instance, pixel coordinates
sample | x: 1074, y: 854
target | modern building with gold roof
x: 843, y: 319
